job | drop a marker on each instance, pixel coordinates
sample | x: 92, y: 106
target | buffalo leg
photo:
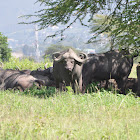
x: 57, y: 83
x: 121, y: 84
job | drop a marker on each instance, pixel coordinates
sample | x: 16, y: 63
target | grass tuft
x: 65, y: 115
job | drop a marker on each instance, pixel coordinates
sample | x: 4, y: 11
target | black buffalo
x: 21, y: 82
x: 67, y: 69
x: 110, y: 65
x: 45, y: 75
x: 47, y: 72
x: 15, y: 79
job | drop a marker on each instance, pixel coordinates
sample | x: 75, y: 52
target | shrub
x: 5, y: 52
x: 25, y: 63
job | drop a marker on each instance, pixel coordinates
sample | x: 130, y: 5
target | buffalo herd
x: 16, y: 79
x: 78, y: 71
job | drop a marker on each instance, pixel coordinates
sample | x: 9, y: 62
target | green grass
x: 101, y: 115
x: 25, y: 63
x: 133, y: 73
x: 47, y: 114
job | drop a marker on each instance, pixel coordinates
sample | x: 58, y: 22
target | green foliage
x: 43, y: 92
x: 124, y: 15
x: 25, y: 63
x: 137, y: 60
x: 98, y: 21
x: 127, y: 30
x: 122, y: 26
x: 5, y: 52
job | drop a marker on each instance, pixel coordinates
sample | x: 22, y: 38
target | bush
x: 25, y: 63
x: 43, y: 92
x: 5, y: 52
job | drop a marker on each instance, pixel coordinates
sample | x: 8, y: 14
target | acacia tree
x: 123, y: 14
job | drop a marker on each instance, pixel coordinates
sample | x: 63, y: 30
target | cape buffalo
x: 110, y: 65
x: 47, y: 72
x: 10, y: 78
x: 45, y: 75
x: 67, y: 69
x: 20, y: 81
x: 47, y: 81
x: 8, y: 72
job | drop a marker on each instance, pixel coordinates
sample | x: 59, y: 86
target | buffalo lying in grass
x: 44, y: 75
x: 14, y: 78
x: 21, y: 82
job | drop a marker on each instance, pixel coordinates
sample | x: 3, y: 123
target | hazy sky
x: 11, y: 9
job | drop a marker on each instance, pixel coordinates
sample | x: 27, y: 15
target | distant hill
x: 20, y: 35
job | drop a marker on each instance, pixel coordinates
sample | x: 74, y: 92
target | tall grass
x: 48, y: 114
x: 100, y: 115
x: 25, y: 63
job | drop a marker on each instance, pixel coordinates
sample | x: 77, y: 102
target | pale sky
x: 11, y: 9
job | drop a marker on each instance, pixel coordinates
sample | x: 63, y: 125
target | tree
x: 97, y: 23
x: 124, y: 15
x: 5, y: 52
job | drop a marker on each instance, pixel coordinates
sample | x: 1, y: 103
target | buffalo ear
x: 83, y: 55
x: 55, y: 55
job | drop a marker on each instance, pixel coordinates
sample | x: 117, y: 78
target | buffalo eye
x: 72, y: 62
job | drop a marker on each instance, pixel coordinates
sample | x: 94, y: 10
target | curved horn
x: 79, y: 59
x: 57, y: 56
x: 83, y: 55
x: 73, y: 55
x: 69, y: 54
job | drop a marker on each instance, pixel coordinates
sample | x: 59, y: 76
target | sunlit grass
x: 25, y: 63
x: 44, y: 114
x: 133, y: 73
x: 101, y: 115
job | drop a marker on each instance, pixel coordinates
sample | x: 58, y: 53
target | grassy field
x: 101, y: 115
x: 49, y: 115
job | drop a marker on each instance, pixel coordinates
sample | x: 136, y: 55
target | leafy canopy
x: 124, y: 15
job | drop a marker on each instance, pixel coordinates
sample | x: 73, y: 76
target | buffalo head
x: 69, y: 58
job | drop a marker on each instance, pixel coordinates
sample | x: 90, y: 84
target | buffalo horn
x: 68, y: 54
x: 57, y: 56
